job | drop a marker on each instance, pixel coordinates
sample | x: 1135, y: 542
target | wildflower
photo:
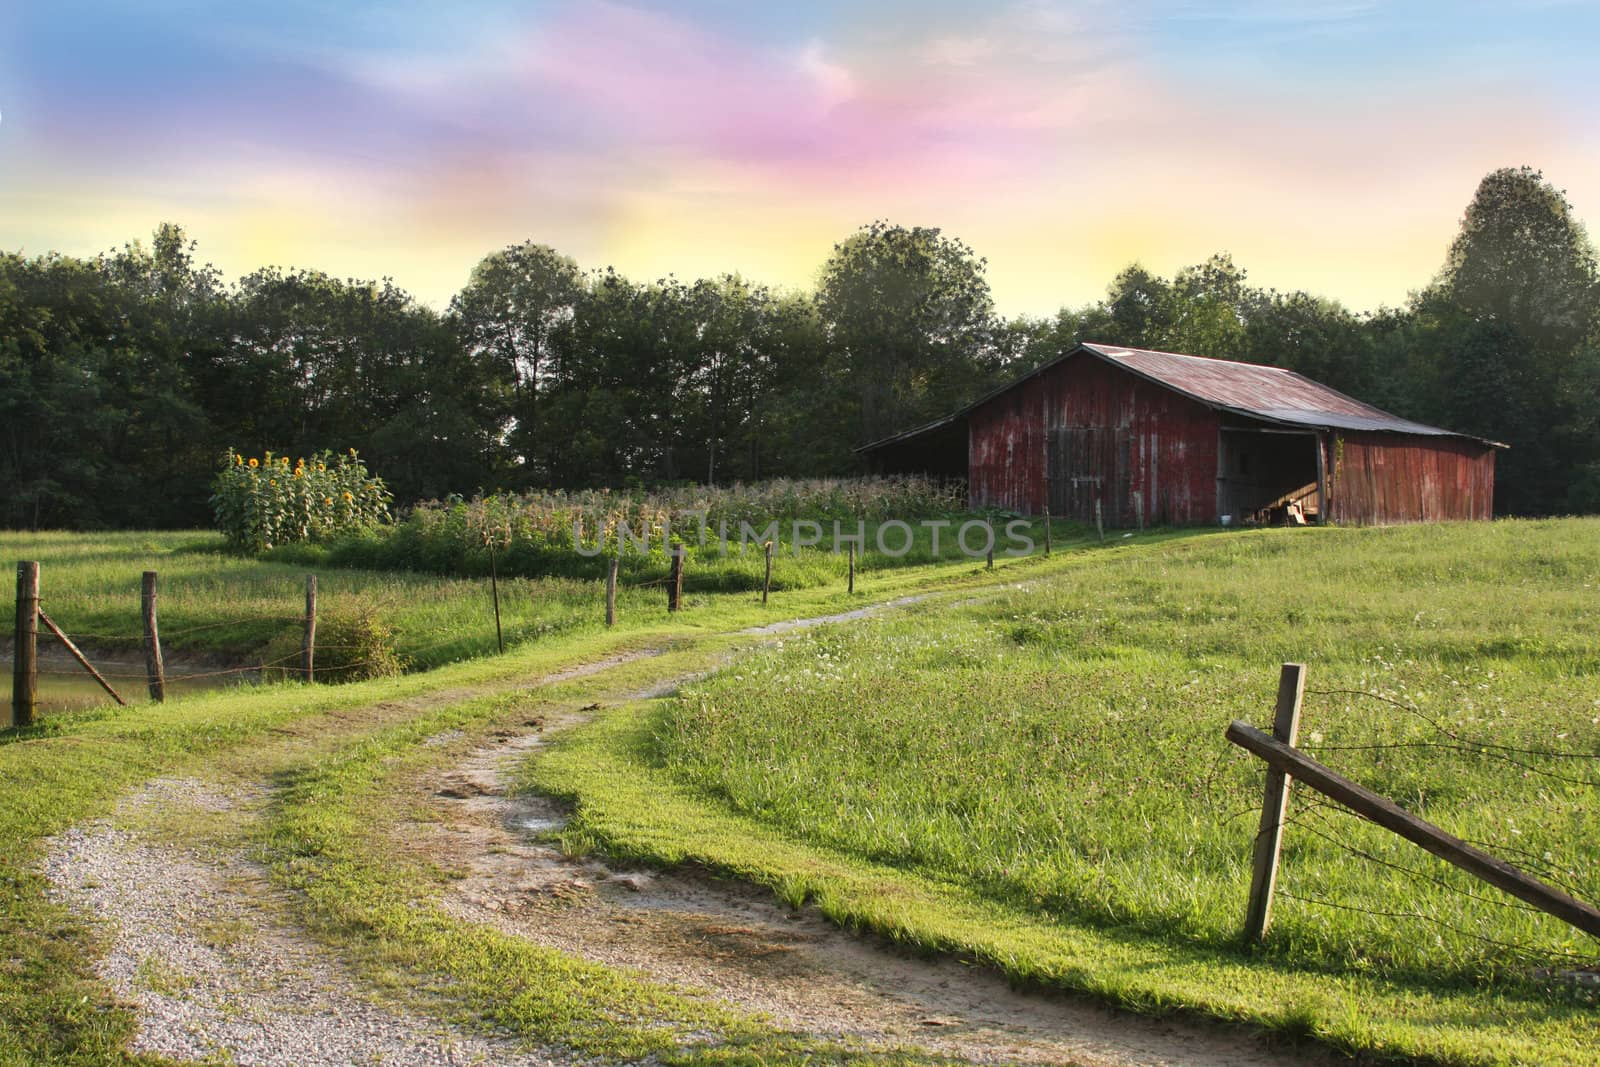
x: 299, y: 472
x: 238, y: 461
x: 348, y: 497
x: 328, y: 500
x: 254, y: 462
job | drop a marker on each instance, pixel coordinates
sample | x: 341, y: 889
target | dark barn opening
x: 938, y: 450
x: 1268, y: 475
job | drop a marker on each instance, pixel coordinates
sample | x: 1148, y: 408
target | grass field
x: 1028, y: 770
x: 334, y: 750
x: 215, y: 604
x: 1056, y: 752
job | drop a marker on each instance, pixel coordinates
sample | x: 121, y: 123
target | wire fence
x: 111, y: 646
x: 1333, y: 824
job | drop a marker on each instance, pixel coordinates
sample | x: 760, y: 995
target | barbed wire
x: 1318, y: 804
x: 1453, y: 735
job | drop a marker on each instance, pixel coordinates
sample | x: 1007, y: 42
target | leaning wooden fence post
x: 1389, y: 815
x: 152, y: 640
x: 83, y: 661
x: 851, y: 587
x: 611, y: 592
x: 675, y: 580
x: 1274, y: 805
x: 989, y: 560
x: 766, y: 583
x: 25, y: 664
x: 308, y: 646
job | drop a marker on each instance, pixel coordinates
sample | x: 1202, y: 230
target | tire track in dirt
x: 737, y: 942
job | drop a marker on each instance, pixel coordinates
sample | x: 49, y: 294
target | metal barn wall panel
x: 1381, y: 478
x: 1086, y: 430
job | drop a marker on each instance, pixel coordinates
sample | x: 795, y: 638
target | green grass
x: 74, y: 765
x: 328, y: 839
x: 1054, y: 756
x: 217, y: 604
x: 1036, y: 780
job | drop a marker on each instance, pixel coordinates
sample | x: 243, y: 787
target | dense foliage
x: 262, y: 502
x: 573, y: 534
x: 137, y: 367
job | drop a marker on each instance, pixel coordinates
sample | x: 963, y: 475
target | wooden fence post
x: 1138, y: 507
x: 850, y: 588
x: 1047, y: 529
x: 611, y: 592
x: 1389, y: 815
x: 989, y: 563
x: 675, y: 580
x: 1099, y: 522
x: 25, y: 647
x: 308, y: 646
x: 766, y: 583
x: 494, y: 590
x: 1274, y: 805
x: 152, y: 640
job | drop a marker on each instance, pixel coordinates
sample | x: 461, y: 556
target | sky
x: 1328, y: 145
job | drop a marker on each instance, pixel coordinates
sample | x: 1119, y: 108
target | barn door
x: 1089, y: 463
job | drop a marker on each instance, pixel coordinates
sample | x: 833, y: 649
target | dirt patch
x: 196, y: 946
x: 751, y: 952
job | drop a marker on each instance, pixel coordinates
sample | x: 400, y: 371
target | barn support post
x: 1323, y: 510
x: 25, y: 647
x: 1274, y: 805
x: 154, y: 668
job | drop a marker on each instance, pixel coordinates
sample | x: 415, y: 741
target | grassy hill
x: 1053, y: 755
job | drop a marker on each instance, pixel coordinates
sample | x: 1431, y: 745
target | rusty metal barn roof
x: 1259, y: 391
x: 1253, y: 390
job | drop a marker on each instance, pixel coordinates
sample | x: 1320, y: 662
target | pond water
x: 65, y: 686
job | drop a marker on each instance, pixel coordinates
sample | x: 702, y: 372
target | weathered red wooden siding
x: 1171, y: 442
x: 1005, y: 451
x: 1383, y: 478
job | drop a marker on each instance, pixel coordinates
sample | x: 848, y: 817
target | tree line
x: 124, y: 377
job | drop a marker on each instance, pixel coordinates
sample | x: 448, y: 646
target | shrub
x: 354, y: 642
x: 264, y: 502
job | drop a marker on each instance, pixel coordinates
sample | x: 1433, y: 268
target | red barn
x: 1164, y: 438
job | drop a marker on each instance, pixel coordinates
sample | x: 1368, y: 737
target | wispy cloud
x: 1317, y: 139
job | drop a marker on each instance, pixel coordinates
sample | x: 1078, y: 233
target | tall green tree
x: 1511, y: 315
x: 509, y: 314
x: 910, y: 315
